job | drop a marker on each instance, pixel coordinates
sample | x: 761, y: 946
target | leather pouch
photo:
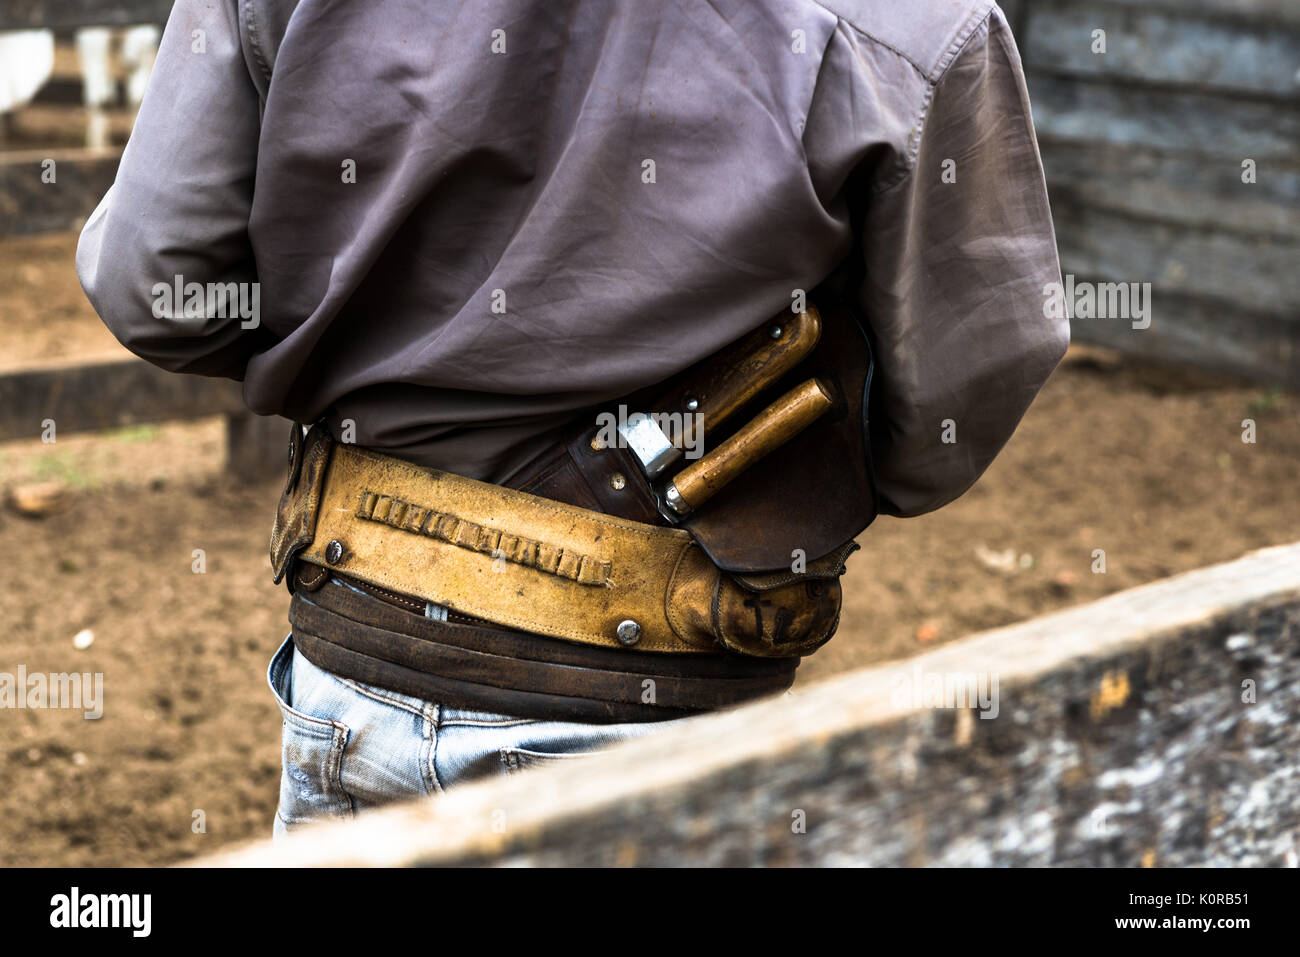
x: 774, y: 615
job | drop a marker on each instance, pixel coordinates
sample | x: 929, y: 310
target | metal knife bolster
x: 651, y: 445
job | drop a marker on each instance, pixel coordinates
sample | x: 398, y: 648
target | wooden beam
x: 110, y: 394
x: 1194, y: 123
x: 1281, y: 12
x: 1220, y: 297
x: 1191, y: 191
x: 31, y: 204
x: 256, y: 446
x: 70, y: 14
x: 1194, y: 51
x: 66, y: 91
x: 1152, y: 727
x: 1233, y: 270
x: 1218, y: 337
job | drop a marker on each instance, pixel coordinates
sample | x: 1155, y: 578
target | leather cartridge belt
x: 536, y: 565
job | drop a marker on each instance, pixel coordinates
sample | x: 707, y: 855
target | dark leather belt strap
x: 462, y: 665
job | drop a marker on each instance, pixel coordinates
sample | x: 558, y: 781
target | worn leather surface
x: 480, y: 636
x: 580, y: 475
x: 534, y: 564
x: 506, y: 671
x: 295, y: 515
x: 342, y: 660
x: 511, y: 558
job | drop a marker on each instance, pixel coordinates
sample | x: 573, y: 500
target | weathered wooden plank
x: 1195, y: 191
x: 63, y: 91
x: 1271, y: 11
x: 68, y: 14
x: 1236, y: 270
x: 110, y: 394
x: 256, y: 445
x: 30, y: 205
x: 1255, y: 57
x: 1217, y: 337
x: 1157, y: 726
x: 1143, y: 151
x: 1077, y: 110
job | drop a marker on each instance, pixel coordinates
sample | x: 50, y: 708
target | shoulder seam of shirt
x: 980, y: 18
x: 935, y: 73
x: 248, y: 21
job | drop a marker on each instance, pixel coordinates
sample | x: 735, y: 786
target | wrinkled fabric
x: 558, y: 203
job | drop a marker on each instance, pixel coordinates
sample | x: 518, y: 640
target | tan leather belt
x: 539, y: 565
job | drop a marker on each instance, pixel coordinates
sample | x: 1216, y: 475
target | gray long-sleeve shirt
x: 468, y: 220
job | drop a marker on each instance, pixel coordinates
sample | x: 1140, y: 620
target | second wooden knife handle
x: 770, y: 429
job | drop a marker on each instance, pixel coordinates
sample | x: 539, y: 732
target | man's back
x: 458, y: 232
x: 469, y: 221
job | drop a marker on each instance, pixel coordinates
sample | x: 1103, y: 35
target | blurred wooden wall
x: 1143, y: 147
x: 69, y: 14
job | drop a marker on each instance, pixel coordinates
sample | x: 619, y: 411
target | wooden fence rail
x: 70, y: 14
x: 95, y: 396
x: 1157, y: 726
x: 30, y: 203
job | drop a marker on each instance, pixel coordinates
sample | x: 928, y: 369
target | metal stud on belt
x: 629, y: 632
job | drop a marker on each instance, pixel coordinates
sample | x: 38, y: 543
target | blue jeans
x: 348, y: 746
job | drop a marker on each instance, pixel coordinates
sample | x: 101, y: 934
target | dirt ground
x: 1145, y: 464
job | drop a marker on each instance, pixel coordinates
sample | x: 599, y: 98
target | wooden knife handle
x: 769, y: 430
x: 730, y: 378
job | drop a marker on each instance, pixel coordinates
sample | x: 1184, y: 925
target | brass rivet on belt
x: 334, y: 552
x: 597, y: 443
x: 629, y: 632
x: 775, y: 332
x: 617, y: 481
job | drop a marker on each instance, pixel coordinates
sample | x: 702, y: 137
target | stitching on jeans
x: 481, y: 723
x: 377, y: 696
x: 341, y: 736
x: 430, y: 729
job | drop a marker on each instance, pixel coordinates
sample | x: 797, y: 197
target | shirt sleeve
x: 177, y: 213
x: 959, y: 251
